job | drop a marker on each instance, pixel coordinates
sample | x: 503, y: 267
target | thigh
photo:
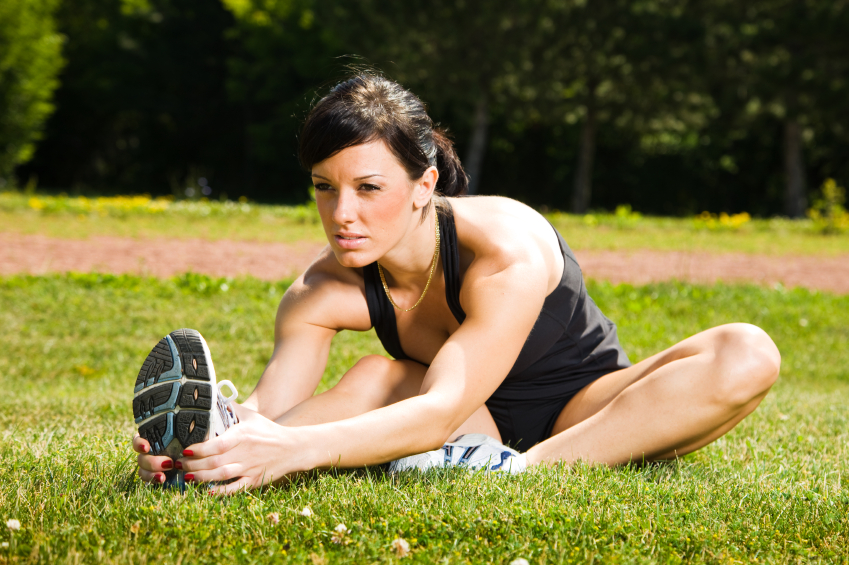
x: 598, y: 394
x: 380, y: 382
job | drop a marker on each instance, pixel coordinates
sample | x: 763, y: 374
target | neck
x: 408, y: 264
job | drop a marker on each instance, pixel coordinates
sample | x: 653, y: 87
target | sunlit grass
x: 773, y: 490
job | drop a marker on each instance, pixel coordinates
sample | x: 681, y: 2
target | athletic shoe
x: 475, y: 451
x: 177, y: 401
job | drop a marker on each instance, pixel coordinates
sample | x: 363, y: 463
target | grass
x: 69, y: 217
x: 773, y: 490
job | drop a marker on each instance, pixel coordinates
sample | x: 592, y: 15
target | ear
x: 424, y: 187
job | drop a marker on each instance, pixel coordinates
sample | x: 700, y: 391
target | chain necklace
x: 429, y: 277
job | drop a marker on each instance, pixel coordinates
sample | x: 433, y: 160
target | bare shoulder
x: 503, y: 232
x: 327, y: 295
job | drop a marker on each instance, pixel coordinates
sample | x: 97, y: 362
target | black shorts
x: 523, y: 423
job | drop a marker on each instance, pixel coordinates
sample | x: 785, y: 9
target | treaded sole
x: 173, y: 395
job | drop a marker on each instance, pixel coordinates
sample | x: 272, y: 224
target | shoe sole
x: 173, y: 394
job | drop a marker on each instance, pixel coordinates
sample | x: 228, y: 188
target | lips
x: 349, y: 240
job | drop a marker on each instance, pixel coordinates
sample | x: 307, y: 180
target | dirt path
x: 37, y: 254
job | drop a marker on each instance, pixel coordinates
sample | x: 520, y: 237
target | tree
x: 785, y: 60
x: 455, y: 54
x: 30, y: 59
x: 143, y: 105
x: 629, y: 63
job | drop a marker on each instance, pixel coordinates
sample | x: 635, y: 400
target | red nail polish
x: 178, y: 465
x: 167, y: 464
x: 188, y: 452
x: 189, y: 477
x: 160, y: 477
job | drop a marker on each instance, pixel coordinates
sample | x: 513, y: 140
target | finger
x: 154, y: 462
x: 140, y: 445
x: 243, y: 484
x: 222, y: 444
x: 223, y: 473
x: 151, y: 477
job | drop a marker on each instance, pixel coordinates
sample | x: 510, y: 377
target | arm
x: 323, y: 300
x: 501, y: 307
x: 502, y: 298
x: 327, y: 298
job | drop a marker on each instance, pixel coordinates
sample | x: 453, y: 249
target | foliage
x: 30, y: 59
x: 828, y: 212
x: 690, y: 95
x: 769, y: 491
x: 143, y: 105
x: 723, y: 221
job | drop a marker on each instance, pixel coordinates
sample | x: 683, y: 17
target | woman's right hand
x: 151, y: 467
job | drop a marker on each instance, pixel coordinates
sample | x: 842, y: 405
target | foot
x: 177, y: 401
x: 475, y: 451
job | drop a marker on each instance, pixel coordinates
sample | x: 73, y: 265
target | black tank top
x: 571, y: 338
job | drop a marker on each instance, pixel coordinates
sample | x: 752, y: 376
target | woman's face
x: 367, y: 201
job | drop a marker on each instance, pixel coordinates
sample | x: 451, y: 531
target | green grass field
x: 772, y: 490
x: 68, y: 217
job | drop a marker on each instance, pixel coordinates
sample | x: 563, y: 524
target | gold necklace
x: 429, y: 277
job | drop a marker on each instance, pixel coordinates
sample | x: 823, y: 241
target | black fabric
x: 571, y: 344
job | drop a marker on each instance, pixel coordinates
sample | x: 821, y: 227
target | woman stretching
x: 482, y: 305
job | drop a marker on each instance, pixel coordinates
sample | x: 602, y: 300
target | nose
x: 345, y: 209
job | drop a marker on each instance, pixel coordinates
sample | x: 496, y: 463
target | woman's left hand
x: 256, y: 451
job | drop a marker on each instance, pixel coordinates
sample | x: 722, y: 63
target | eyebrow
x: 358, y: 178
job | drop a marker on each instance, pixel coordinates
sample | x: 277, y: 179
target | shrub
x: 30, y: 60
x: 828, y: 213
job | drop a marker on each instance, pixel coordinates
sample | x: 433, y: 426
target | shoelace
x: 227, y: 415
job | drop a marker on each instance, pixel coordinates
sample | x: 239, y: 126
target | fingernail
x: 160, y: 477
x: 189, y: 477
x: 178, y: 465
x: 167, y: 464
x: 188, y: 452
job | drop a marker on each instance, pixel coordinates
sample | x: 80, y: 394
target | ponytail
x: 453, y: 180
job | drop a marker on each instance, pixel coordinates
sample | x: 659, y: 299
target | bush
x: 30, y: 60
x: 828, y: 212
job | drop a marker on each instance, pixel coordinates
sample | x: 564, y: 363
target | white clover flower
x: 341, y: 531
x: 306, y: 512
x: 519, y: 561
x: 273, y: 517
x: 400, y: 547
x: 13, y: 524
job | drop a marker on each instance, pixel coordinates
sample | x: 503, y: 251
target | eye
x: 369, y: 187
x: 321, y: 187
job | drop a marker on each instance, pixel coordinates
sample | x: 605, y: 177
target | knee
x: 748, y: 363
x: 367, y: 373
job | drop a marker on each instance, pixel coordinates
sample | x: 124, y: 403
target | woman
x: 483, y: 306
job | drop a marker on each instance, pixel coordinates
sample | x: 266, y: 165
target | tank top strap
x: 450, y: 251
x: 380, y: 310
x: 381, y: 313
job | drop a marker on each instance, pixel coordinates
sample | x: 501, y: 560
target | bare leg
x: 375, y: 382
x: 667, y: 405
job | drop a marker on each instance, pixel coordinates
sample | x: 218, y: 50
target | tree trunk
x: 477, y: 148
x: 582, y: 187
x: 795, y: 202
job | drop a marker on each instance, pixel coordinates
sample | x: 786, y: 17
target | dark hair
x: 368, y: 107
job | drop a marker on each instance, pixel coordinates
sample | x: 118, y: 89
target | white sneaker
x: 475, y: 451
x: 173, y: 398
